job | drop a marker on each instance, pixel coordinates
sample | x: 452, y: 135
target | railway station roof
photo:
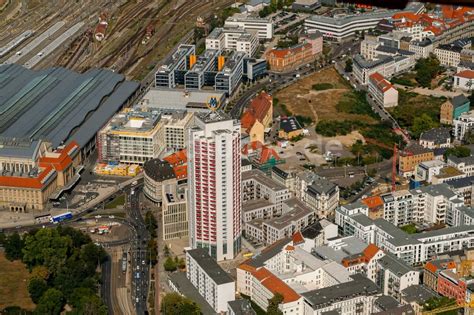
x: 58, y: 105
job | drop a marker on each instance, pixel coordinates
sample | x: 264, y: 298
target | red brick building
x: 452, y: 286
x: 290, y: 58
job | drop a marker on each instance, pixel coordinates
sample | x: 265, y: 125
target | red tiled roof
x: 370, y: 251
x: 297, y: 238
x: 380, y: 82
x: 289, y: 248
x: 406, y: 15
x: 276, y: 285
x: 373, y: 202
x: 467, y: 74
x: 181, y: 171
x: 282, y: 53
x: 435, y: 30
x: 47, y: 165
x: 247, y: 120
x: 177, y: 158
x: 267, y: 154
x: 261, y: 105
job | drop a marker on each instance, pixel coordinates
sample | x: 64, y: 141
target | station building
x: 48, y: 124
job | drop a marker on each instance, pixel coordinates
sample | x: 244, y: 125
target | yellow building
x: 258, y: 117
x: 290, y: 128
x: 49, y: 174
x: 411, y: 157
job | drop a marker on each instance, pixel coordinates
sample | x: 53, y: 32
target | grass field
x: 411, y: 105
x: 302, y: 99
x: 118, y: 201
x: 13, y: 284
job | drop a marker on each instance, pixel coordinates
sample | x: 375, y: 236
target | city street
x: 140, y: 268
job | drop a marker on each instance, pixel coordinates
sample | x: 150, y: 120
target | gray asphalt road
x: 140, y: 274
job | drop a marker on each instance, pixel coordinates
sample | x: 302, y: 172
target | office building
x: 171, y: 73
x: 306, y: 5
x: 322, y: 196
x: 340, y: 27
x: 211, y: 281
x: 254, y: 68
x: 232, y: 38
x: 132, y: 136
x: 229, y: 77
x: 166, y: 99
x: 214, y: 177
x: 174, y: 212
x: 263, y: 27
x: 176, y: 123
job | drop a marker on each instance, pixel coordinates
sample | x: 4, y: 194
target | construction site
x: 125, y: 36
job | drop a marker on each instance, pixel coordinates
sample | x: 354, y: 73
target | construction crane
x: 395, y: 156
x: 469, y: 306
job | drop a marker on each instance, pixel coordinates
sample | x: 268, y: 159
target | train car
x: 61, y: 217
x: 44, y: 218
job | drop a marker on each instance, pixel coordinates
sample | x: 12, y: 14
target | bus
x: 61, y: 217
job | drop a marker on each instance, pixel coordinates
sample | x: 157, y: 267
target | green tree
x: 36, y: 288
x: 348, y: 67
x: 151, y: 224
x: 175, y: 304
x: 46, y: 247
x: 426, y: 70
x: 273, y: 303
x: 458, y: 151
x: 170, y: 264
x: 421, y: 124
x: 90, y: 305
x: 13, y: 247
x: 152, y: 256
x: 52, y: 303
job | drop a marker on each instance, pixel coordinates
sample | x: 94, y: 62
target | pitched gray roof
x: 394, y: 264
x: 459, y: 100
x: 437, y: 135
x: 57, y: 104
x: 360, y: 286
x: 210, y: 266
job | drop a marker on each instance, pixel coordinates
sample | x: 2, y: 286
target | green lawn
x: 409, y: 228
x: 118, y: 201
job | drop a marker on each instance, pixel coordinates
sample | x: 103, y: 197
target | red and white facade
x: 214, y: 178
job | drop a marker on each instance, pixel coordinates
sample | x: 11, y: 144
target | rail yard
x: 128, y: 37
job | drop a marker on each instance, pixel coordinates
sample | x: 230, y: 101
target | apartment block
x: 212, y: 282
x: 462, y: 125
x: 382, y: 91
x: 394, y: 275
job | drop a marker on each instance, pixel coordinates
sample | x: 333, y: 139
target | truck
x: 61, y: 217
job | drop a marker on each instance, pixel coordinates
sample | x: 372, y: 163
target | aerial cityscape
x: 237, y: 157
